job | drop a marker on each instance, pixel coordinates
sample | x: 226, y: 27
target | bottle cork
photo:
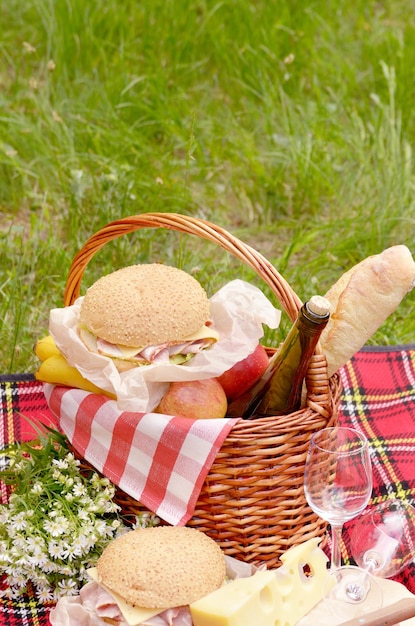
x: 318, y: 305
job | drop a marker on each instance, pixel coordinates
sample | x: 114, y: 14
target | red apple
x: 198, y: 399
x: 241, y: 376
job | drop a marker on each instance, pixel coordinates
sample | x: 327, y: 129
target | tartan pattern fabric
x: 27, y: 611
x: 378, y: 399
x: 21, y: 397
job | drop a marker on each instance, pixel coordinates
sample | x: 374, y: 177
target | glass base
x: 350, y: 592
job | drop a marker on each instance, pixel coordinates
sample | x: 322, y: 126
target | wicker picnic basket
x: 252, y: 502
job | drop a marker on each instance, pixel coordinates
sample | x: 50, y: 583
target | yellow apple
x: 198, y: 399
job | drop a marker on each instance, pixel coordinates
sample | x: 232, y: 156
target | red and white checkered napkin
x: 159, y: 460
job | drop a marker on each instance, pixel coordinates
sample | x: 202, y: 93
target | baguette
x: 362, y: 299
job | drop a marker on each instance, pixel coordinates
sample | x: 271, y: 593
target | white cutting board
x: 392, y: 592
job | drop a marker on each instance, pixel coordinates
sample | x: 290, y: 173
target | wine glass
x: 338, y: 479
x: 382, y: 544
x: 383, y: 538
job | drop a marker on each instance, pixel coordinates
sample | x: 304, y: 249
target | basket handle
x: 192, y: 226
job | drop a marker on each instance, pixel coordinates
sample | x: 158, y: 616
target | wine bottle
x: 279, y: 390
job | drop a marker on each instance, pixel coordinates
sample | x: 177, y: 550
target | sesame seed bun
x: 162, y: 567
x: 144, y: 305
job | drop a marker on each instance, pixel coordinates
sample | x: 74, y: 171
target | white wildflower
x: 57, y: 520
x: 53, y: 527
x: 60, y: 463
x: 44, y: 595
x: 18, y: 580
x: 37, y: 489
x: 19, y: 521
x: 67, y: 587
x: 79, y: 490
x: 83, y: 515
x: 69, y: 482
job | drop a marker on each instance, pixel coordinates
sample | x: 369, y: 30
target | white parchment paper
x: 238, y: 312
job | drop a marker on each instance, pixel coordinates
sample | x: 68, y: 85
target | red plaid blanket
x: 378, y: 399
x: 20, y: 397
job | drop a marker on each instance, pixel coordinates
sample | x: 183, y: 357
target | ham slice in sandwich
x: 146, y: 577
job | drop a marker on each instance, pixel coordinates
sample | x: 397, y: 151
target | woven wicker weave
x: 252, y: 502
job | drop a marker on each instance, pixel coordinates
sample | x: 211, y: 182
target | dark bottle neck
x: 310, y: 322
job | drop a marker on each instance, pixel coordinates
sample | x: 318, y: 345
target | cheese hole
x: 267, y: 600
x: 308, y: 570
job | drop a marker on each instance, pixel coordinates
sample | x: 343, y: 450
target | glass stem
x: 336, y: 536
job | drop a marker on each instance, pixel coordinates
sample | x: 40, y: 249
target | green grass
x: 290, y: 124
